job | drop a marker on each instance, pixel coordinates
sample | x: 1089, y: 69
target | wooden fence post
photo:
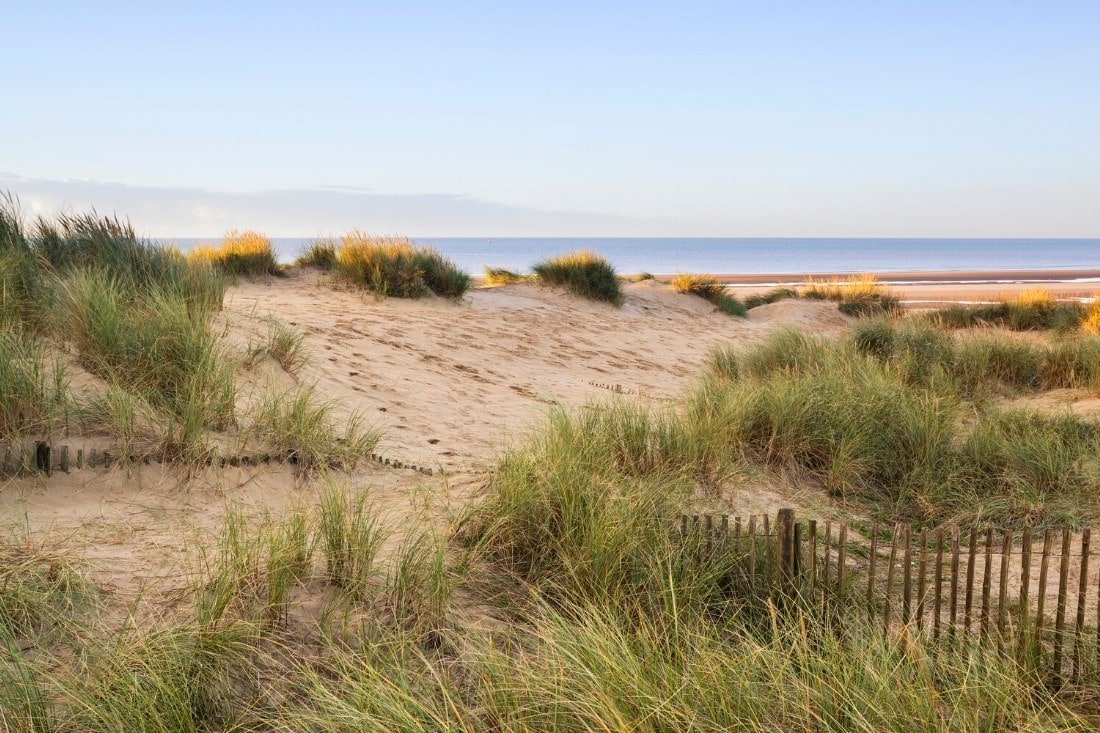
x: 922, y: 578
x: 1025, y: 586
x: 937, y: 598
x: 968, y: 603
x: 1041, y: 593
x: 784, y: 534
x: 1060, y: 614
x: 1082, y: 591
x: 871, y: 561
x: 890, y: 578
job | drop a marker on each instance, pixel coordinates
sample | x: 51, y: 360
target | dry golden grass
x: 1091, y: 321
x: 240, y: 253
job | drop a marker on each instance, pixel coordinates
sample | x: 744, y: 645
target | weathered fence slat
x: 1060, y: 618
x: 937, y: 601
x: 968, y: 603
x: 1082, y: 591
x: 887, y: 600
x: 1041, y: 590
x: 1002, y: 597
x: 1025, y: 584
x: 872, y: 559
x: 922, y: 577
x: 841, y: 558
x: 907, y: 577
x: 987, y: 582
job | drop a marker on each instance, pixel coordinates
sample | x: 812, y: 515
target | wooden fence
x: 1033, y: 595
x: 44, y: 458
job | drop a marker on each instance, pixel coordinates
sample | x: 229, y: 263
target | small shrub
x: 583, y: 273
x: 240, y: 253
x: 712, y: 290
x: 500, y: 276
x: 394, y: 267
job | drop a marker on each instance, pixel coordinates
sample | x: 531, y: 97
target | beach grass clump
x: 1090, y: 321
x: 501, y: 276
x: 135, y: 425
x: 582, y: 273
x: 1028, y: 468
x: 34, y: 391
x: 772, y: 296
x: 283, y: 343
x: 392, y: 266
x: 245, y: 253
x: 709, y: 289
x: 305, y: 429
x: 351, y: 535
x: 44, y: 590
x: 1035, y: 309
x: 883, y: 416
x: 320, y: 253
x: 152, y: 343
x: 860, y: 295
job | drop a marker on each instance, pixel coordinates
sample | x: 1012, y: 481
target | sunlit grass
x: 239, y: 253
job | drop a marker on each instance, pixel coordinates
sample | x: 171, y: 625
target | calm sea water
x: 762, y: 256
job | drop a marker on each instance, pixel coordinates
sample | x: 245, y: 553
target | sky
x: 841, y: 119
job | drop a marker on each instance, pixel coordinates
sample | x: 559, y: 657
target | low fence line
x: 44, y: 458
x: 1035, y: 597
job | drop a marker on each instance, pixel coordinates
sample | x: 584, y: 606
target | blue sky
x: 694, y: 119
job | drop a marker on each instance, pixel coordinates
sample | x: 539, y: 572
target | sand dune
x: 452, y: 382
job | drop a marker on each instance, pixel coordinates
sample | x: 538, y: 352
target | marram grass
x: 240, y: 253
x: 393, y: 266
x: 583, y: 273
x: 710, y: 289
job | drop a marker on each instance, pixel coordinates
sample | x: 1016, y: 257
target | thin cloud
x: 185, y: 212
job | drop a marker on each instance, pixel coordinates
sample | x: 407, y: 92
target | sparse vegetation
x: 710, y: 289
x: 305, y: 430
x: 240, y: 253
x: 283, y: 343
x: 583, y: 273
x: 772, y: 296
x: 500, y: 276
x: 858, y: 295
x: 1032, y: 310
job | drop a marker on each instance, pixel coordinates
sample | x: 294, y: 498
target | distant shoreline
x: 937, y: 287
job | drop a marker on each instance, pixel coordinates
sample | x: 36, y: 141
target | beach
x: 932, y: 288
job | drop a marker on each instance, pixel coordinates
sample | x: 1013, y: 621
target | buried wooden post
x: 784, y: 531
x: 43, y: 458
x: 64, y: 459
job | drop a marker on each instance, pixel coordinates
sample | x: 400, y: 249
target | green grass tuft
x: 710, y: 289
x: 583, y: 273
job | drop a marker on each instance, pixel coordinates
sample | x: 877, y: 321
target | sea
x: 755, y: 256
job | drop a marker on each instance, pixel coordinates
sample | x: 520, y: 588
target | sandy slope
x: 450, y: 383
